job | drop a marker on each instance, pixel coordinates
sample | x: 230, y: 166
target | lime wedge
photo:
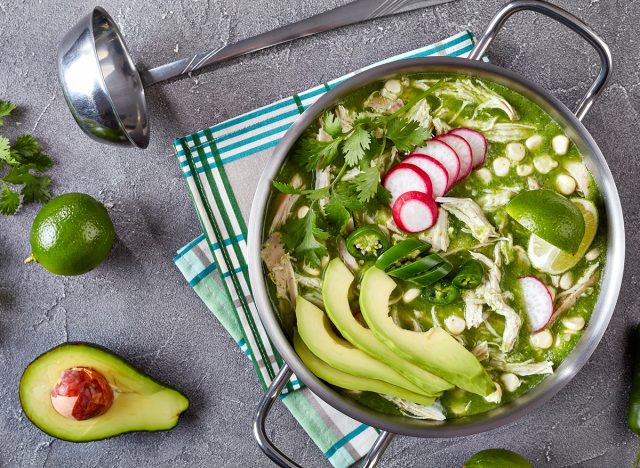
x: 549, y: 259
x: 550, y: 216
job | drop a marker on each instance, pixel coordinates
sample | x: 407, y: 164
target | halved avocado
x: 335, y: 293
x: 351, y: 382
x: 139, y: 402
x: 315, y: 330
x: 434, y: 350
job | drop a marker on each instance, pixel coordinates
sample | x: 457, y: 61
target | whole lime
x: 497, y: 458
x: 71, y: 235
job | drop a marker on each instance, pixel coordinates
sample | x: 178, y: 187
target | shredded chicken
x: 528, y: 367
x: 490, y: 291
x: 477, y: 92
x: 468, y: 211
x: 323, y: 179
x: 345, y: 117
x: 580, y: 173
x: 280, y: 268
x: 346, y: 257
x: 504, y: 132
x: 438, y: 235
x: 533, y: 183
x: 381, y: 104
x: 417, y: 411
x: 441, y: 127
x: 568, y: 298
x: 285, y: 202
x: 496, y: 396
x: 323, y: 135
x: 472, y: 308
x: 481, y: 351
x: 494, y: 200
x: 420, y: 112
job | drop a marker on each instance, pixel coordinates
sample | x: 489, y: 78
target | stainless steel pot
x: 596, y: 163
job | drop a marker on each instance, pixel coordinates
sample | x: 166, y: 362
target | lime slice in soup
x: 550, y: 216
x: 545, y: 257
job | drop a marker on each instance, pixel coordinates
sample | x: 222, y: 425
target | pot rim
x: 601, y: 314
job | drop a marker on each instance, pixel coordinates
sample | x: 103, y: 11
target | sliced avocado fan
x: 351, y: 382
x: 335, y: 293
x: 315, y: 330
x: 434, y: 350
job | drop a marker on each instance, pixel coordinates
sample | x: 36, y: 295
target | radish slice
x: 436, y: 172
x: 537, y: 301
x: 476, y: 141
x: 407, y: 178
x: 462, y: 149
x: 445, y: 155
x: 415, y: 211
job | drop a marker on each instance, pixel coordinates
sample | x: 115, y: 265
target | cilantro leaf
x: 337, y: 216
x: 331, y: 124
x: 26, y: 150
x: 356, y: 145
x: 5, y: 151
x: 9, y: 201
x: 286, y: 188
x: 303, y: 236
x: 314, y: 154
x: 346, y: 195
x: 366, y: 184
x: 23, y: 157
x: 36, y: 189
x: 406, y: 134
x: 6, y: 108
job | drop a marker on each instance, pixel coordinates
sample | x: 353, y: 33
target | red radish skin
x: 445, y: 155
x: 477, y: 142
x: 436, y: 172
x: 415, y: 212
x: 538, y: 302
x: 462, y: 149
x: 407, y: 178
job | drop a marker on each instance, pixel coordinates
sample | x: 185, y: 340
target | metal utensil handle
x: 568, y: 20
x: 273, y: 452
x: 351, y: 13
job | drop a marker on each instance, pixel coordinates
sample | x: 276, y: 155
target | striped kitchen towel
x: 221, y: 166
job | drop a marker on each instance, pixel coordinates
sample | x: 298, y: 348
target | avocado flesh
x: 351, y: 382
x: 335, y: 293
x: 315, y: 330
x: 434, y: 350
x: 139, y: 402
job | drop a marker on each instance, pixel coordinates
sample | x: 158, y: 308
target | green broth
x: 418, y: 314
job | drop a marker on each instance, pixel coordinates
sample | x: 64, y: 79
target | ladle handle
x: 566, y: 18
x: 274, y: 453
x: 354, y: 12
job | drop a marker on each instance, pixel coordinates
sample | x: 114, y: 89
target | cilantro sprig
x: 22, y: 165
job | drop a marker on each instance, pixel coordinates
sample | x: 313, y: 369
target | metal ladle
x: 105, y: 90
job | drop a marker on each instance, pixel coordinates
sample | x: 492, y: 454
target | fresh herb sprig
x: 22, y: 165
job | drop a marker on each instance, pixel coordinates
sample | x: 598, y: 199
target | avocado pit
x: 81, y: 393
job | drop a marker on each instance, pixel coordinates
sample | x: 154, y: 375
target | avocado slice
x: 139, y: 402
x: 351, y: 382
x: 434, y: 350
x: 315, y: 330
x: 335, y: 293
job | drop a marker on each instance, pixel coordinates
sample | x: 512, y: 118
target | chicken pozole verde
x: 433, y: 245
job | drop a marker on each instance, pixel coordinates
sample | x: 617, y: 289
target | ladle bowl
x: 101, y: 84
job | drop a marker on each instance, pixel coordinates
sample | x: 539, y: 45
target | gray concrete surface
x: 138, y: 304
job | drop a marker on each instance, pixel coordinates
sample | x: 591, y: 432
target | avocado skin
x: 80, y: 346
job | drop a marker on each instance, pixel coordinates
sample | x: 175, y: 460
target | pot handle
x: 274, y: 453
x: 568, y: 20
